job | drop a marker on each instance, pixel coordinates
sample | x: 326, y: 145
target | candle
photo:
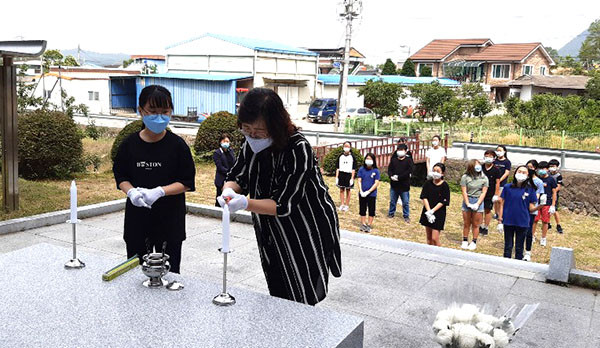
x: 225, y: 243
x: 73, y: 202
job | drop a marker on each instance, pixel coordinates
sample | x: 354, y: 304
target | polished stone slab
x: 45, y: 305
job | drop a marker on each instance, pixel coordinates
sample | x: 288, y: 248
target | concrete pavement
x: 397, y: 286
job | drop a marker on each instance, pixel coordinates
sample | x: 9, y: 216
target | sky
x: 386, y: 28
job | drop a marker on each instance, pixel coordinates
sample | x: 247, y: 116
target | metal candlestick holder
x: 74, y: 263
x: 155, y: 266
x: 224, y: 298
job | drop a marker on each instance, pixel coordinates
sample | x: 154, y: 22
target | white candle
x: 73, y: 202
x: 225, y: 243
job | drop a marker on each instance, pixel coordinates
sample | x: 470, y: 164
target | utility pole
x: 79, y: 54
x: 352, y: 9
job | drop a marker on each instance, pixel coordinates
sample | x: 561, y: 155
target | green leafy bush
x: 207, y: 138
x: 330, y: 161
x: 49, y: 145
x: 129, y: 129
x: 93, y: 131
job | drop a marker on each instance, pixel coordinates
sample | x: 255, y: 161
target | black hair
x: 490, y: 152
x: 441, y: 165
x: 533, y: 162
x: 554, y: 162
x: 372, y: 155
x: 402, y: 140
x: 543, y: 165
x: 155, y: 96
x: 436, y: 136
x: 528, y: 182
x: 402, y: 147
x: 265, y: 104
x: 223, y: 136
x: 347, y: 142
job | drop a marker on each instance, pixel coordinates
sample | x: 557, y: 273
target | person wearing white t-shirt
x: 435, y: 154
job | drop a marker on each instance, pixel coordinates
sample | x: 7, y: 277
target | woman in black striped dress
x: 294, y: 217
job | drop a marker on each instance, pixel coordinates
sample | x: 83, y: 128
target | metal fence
x: 508, y: 136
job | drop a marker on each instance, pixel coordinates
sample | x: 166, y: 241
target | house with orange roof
x: 481, y: 60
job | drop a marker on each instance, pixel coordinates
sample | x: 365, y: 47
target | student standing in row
x: 517, y: 202
x: 541, y: 196
x: 224, y: 157
x: 368, y: 181
x: 493, y: 192
x: 474, y: 186
x: 399, y: 171
x: 553, y: 166
x: 435, y: 154
x: 436, y: 197
x: 344, y: 175
x: 550, y: 207
x: 503, y: 164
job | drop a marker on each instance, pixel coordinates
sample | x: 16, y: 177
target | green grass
x: 581, y: 231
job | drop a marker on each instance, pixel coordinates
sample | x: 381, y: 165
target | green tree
x: 408, y: 68
x: 70, y: 61
x: 476, y: 101
x: 389, y: 68
x: 425, y: 71
x: 480, y: 106
x: 452, y: 110
x: 431, y: 96
x: 592, y: 88
x: 127, y: 63
x: 553, y: 54
x: 25, y: 97
x: 575, y: 67
x: 382, y: 97
x: 589, y: 52
x: 52, y: 58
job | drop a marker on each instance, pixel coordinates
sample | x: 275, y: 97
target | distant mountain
x: 573, y: 46
x: 96, y: 58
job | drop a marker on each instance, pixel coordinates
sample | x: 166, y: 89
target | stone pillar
x: 562, y: 260
x: 8, y: 128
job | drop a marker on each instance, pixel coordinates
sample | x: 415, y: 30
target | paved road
x: 396, y: 286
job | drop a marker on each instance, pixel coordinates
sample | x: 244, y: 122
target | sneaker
x: 527, y: 256
x: 472, y: 246
x: 363, y: 228
x: 483, y: 231
x: 549, y: 226
x: 559, y: 229
x: 346, y: 208
x: 341, y: 208
x: 465, y: 244
x: 543, y: 242
x: 407, y: 220
x: 368, y: 229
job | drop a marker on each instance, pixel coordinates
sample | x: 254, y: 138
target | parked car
x: 322, y: 110
x: 351, y: 112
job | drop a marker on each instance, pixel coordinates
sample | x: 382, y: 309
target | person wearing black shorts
x: 344, y: 175
x: 493, y: 193
x: 368, y: 181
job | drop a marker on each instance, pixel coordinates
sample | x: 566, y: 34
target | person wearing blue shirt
x: 549, y: 208
x: 518, y: 200
x: 368, y: 181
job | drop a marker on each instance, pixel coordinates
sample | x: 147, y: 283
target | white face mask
x: 520, y: 177
x: 478, y: 168
x: 435, y: 143
x: 435, y: 175
x: 369, y: 162
x: 500, y: 153
x: 553, y: 169
x: 346, y: 149
x: 488, y: 160
x: 257, y: 145
x: 401, y: 153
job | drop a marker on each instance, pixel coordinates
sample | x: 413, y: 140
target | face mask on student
x: 435, y: 143
x: 156, y: 123
x: 257, y: 145
x: 369, y: 162
x: 435, y: 175
x: 542, y: 172
x: 346, y: 149
x: 500, y: 153
x: 478, y: 168
x: 488, y: 160
x: 401, y: 153
x: 520, y: 177
x: 225, y: 145
x: 553, y: 169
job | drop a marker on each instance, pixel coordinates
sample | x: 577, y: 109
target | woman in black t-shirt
x: 154, y: 167
x: 436, y: 197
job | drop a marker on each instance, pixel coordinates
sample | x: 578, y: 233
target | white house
x: 292, y: 72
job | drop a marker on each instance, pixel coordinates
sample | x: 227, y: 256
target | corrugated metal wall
x: 123, y: 92
x: 206, y: 96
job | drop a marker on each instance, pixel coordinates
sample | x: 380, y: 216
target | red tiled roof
x: 438, y: 49
x: 505, y: 52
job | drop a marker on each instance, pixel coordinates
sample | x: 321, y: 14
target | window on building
x: 500, y: 71
x: 47, y: 94
x: 424, y: 65
x: 94, y: 95
x: 542, y: 70
x: 527, y: 70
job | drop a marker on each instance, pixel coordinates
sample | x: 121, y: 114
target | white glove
x: 473, y: 206
x: 552, y: 209
x: 152, y: 195
x: 429, y: 212
x: 431, y: 218
x: 543, y: 199
x: 336, y: 180
x: 495, y: 199
x: 364, y: 194
x: 136, y: 198
x: 227, y: 193
x: 351, y: 182
x: 394, y: 177
x: 238, y: 202
x: 500, y: 228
